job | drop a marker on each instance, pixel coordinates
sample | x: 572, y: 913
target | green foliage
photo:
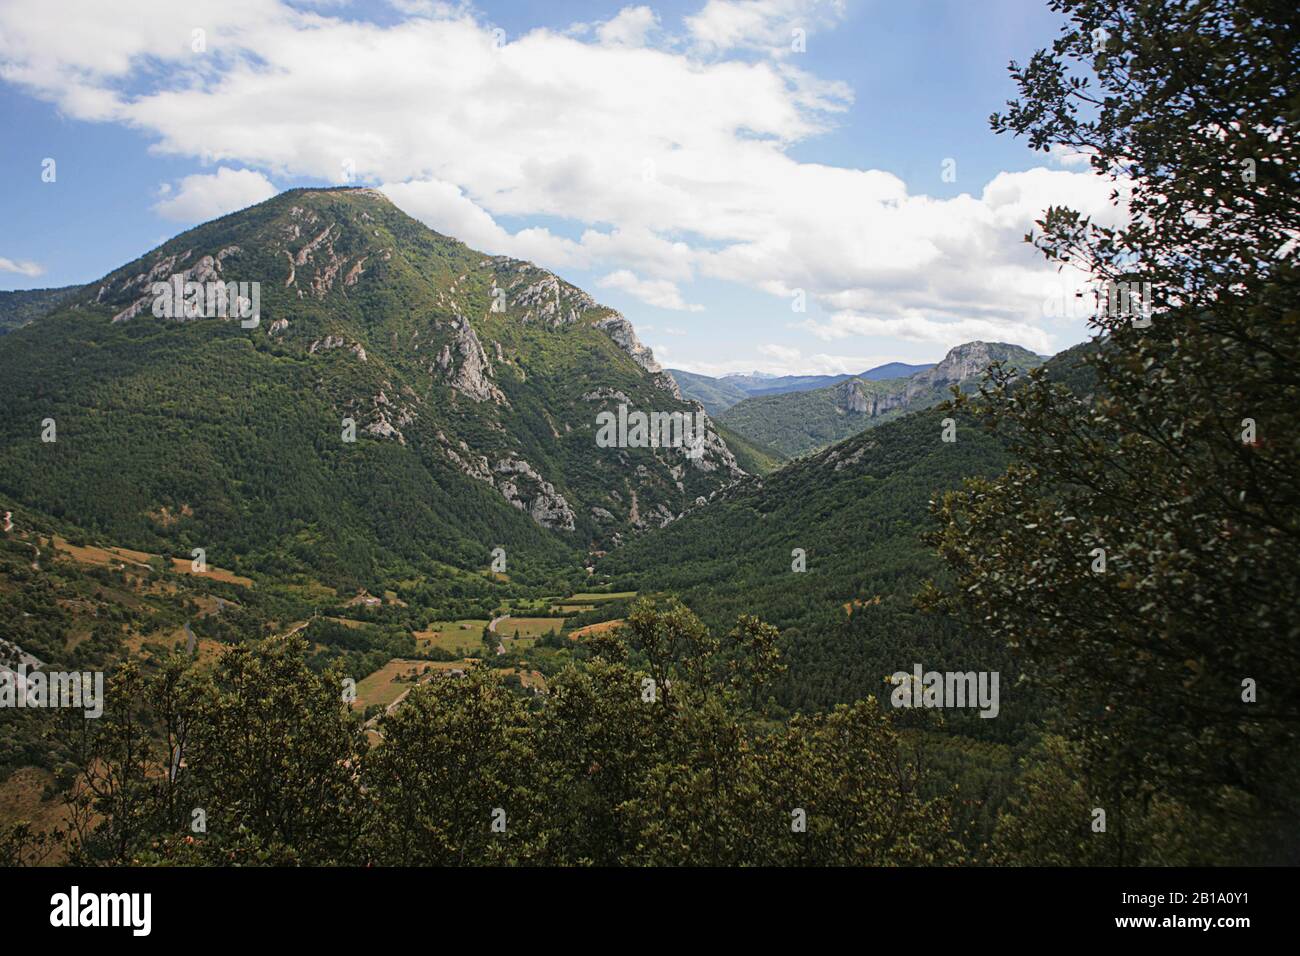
x: 1150, y: 661
x: 22, y: 306
x: 858, y: 510
x: 714, y: 394
x: 797, y: 423
x: 469, y: 772
x: 751, y: 456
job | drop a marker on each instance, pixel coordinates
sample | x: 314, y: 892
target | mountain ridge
x: 797, y: 423
x: 718, y: 394
x: 458, y: 371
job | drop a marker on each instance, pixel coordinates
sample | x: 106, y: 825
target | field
x: 208, y: 650
x: 528, y: 629
x: 20, y: 799
x: 458, y: 637
x: 111, y: 557
x: 588, y: 598
x: 397, y: 677
x: 600, y: 628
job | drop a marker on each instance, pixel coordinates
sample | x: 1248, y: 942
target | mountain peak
x: 970, y: 360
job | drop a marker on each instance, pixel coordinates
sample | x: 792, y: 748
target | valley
x: 475, y: 524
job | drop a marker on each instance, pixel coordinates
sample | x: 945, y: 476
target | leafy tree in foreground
x: 603, y: 770
x: 1143, y: 553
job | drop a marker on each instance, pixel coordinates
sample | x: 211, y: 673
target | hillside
x: 754, y: 458
x: 858, y: 510
x: 473, y: 383
x: 714, y: 394
x: 22, y: 306
x: 719, y: 394
x: 796, y: 423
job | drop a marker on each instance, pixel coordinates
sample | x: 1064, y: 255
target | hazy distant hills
x: 798, y: 422
x: 717, y: 394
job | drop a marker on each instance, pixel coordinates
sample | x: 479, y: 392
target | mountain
x: 714, y: 394
x: 20, y: 307
x: 796, y: 423
x: 719, y: 394
x: 754, y: 458
x: 893, y: 370
x: 472, y: 382
x: 757, y: 384
x: 857, y: 510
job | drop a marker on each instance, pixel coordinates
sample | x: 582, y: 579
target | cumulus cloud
x: 918, y: 328
x: 668, y: 157
x: 206, y: 196
x: 767, y: 25
x: 631, y: 27
x: 819, y: 363
x: 657, y: 292
x: 22, y: 267
x: 782, y: 353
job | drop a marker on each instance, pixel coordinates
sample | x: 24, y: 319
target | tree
x: 1142, y: 554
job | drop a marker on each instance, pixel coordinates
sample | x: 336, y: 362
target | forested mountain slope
x: 472, y: 384
x: 22, y: 306
x: 796, y: 423
x: 858, y: 510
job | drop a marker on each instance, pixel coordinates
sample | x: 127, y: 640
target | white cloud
x: 1070, y: 156
x: 657, y: 292
x: 21, y: 266
x: 670, y: 156
x: 631, y: 27
x: 918, y: 328
x: 782, y: 353
x: 760, y: 24
x: 206, y: 196
x: 818, y: 364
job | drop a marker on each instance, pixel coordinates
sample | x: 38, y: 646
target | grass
x: 458, y: 637
x: 111, y: 557
x: 396, y: 677
x: 521, y: 629
x: 593, y: 598
x: 20, y: 799
x: 595, y: 628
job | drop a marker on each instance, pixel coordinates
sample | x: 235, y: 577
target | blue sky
x: 681, y: 161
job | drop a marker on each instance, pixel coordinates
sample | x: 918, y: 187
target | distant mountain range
x: 717, y: 394
x: 795, y: 423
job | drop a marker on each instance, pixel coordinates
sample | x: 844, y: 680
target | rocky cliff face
x: 964, y: 363
x: 859, y: 398
x: 967, y: 362
x: 621, y: 331
x: 465, y: 366
x: 796, y: 423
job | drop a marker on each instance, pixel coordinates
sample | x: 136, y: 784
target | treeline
x: 261, y: 762
x: 659, y: 750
